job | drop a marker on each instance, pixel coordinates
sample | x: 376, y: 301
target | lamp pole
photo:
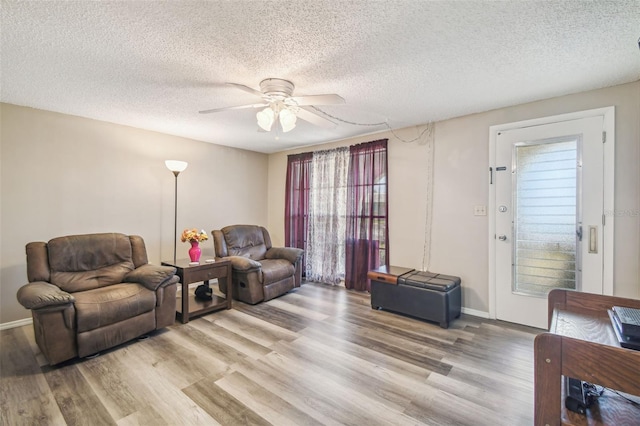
x: 175, y: 216
x: 176, y: 167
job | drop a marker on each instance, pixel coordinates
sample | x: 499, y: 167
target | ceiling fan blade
x: 247, y: 89
x: 316, y: 119
x: 209, y: 111
x: 329, y: 99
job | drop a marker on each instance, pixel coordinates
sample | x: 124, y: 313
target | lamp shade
x: 266, y: 117
x: 287, y: 120
x: 176, y: 166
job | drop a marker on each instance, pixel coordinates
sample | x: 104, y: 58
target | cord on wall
x: 428, y: 220
x: 428, y: 129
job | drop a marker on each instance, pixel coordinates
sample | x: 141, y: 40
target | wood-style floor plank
x: 298, y: 310
x: 163, y: 400
x: 484, y: 396
x: 415, y: 372
x: 386, y: 387
x: 290, y: 389
x: 271, y: 407
x: 378, y: 342
x: 222, y: 406
x: 301, y: 299
x: 274, y: 315
x: 243, y: 345
x: 251, y: 327
x: 76, y: 399
x: 25, y: 397
x: 318, y: 355
x: 341, y: 402
x: 111, y: 381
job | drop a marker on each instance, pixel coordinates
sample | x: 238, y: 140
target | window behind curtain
x: 296, y: 212
x: 325, y: 261
x: 367, y: 243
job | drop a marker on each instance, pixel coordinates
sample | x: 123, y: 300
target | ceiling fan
x: 279, y: 103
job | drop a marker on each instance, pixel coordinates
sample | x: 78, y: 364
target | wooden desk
x: 581, y: 344
x: 187, y: 305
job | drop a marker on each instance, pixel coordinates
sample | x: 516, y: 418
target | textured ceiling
x: 155, y: 64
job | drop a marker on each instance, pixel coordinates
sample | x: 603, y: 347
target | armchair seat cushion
x: 274, y: 270
x: 108, y: 305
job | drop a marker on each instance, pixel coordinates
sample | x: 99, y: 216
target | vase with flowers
x: 194, y: 237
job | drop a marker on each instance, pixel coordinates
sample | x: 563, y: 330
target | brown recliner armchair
x: 260, y: 271
x: 88, y: 293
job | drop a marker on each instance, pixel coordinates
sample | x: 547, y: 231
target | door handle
x: 593, y: 239
x: 502, y: 238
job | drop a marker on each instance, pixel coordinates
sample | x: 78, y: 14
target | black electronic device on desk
x: 580, y: 395
x: 629, y: 320
x: 626, y: 325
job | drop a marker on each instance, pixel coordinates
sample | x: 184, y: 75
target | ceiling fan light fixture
x: 287, y: 120
x: 265, y: 118
x: 281, y: 105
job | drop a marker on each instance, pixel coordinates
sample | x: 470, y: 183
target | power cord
x: 629, y: 400
x: 592, y: 392
x: 347, y: 121
x: 429, y: 127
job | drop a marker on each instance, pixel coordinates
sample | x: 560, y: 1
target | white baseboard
x: 17, y: 323
x: 475, y: 313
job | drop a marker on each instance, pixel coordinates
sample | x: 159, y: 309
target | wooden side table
x: 187, y: 305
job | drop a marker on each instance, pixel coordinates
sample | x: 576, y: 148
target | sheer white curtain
x: 325, y: 260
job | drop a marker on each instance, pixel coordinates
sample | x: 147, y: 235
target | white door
x: 548, y: 215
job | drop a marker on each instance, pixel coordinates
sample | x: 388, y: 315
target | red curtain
x: 367, y: 239
x: 296, y: 211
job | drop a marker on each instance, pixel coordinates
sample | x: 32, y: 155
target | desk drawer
x: 205, y: 274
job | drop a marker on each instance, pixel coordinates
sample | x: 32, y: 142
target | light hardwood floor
x: 316, y: 356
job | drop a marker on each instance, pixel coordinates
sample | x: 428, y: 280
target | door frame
x: 608, y: 114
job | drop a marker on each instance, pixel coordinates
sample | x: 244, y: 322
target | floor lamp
x: 176, y: 167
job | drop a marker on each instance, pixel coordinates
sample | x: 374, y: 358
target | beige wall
x: 459, y: 243
x: 63, y: 175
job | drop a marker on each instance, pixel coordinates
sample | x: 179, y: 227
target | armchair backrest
x: 250, y: 241
x: 84, y: 262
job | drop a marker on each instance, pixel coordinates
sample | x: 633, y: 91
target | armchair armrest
x: 40, y: 294
x: 241, y: 263
x: 292, y: 254
x: 151, y: 276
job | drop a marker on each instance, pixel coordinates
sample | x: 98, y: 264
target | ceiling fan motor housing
x: 277, y: 88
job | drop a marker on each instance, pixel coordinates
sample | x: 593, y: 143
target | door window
x: 545, y: 199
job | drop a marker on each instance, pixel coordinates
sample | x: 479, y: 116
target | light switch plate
x: 480, y: 210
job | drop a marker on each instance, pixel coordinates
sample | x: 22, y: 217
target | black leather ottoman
x: 425, y: 295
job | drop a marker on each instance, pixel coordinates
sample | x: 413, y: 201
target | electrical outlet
x: 480, y: 210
